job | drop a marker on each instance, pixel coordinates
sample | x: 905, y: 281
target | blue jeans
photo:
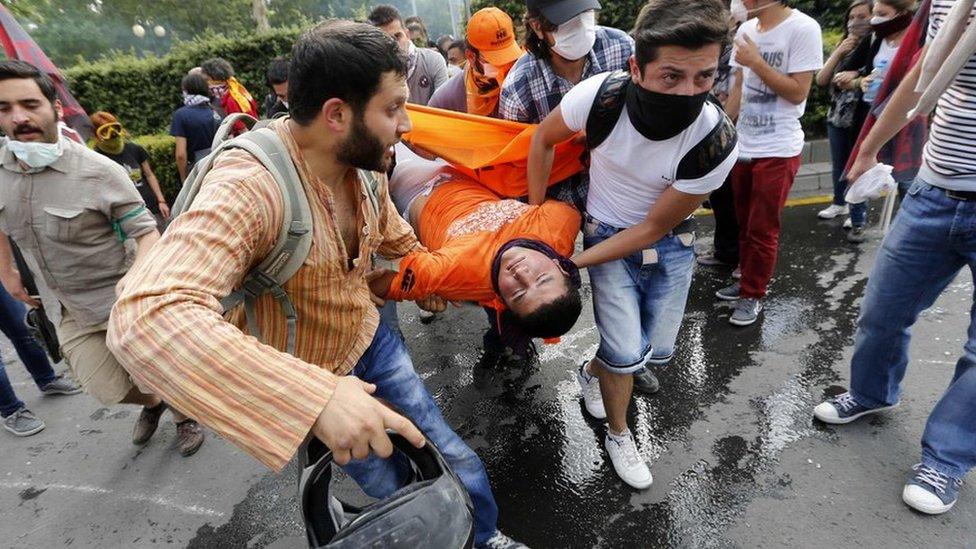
x: 12, y: 325
x: 387, y: 364
x: 841, y: 145
x: 639, y: 301
x: 931, y: 239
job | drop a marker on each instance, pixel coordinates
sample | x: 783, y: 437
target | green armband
x: 117, y: 223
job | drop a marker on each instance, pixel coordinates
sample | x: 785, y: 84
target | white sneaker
x: 628, y: 464
x: 592, y: 398
x: 848, y: 224
x: 833, y: 211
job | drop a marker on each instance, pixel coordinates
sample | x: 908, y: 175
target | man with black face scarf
x: 657, y: 149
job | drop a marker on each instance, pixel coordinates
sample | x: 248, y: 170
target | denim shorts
x: 639, y: 301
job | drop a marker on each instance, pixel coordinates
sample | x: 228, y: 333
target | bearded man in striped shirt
x: 347, y: 93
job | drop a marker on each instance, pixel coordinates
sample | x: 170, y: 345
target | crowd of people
x: 696, y: 103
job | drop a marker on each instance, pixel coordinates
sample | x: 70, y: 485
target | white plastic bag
x: 871, y: 184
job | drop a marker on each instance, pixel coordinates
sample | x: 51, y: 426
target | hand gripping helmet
x: 431, y: 510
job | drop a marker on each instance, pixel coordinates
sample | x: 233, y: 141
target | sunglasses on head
x: 108, y: 131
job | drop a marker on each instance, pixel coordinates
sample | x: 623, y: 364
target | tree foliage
x: 76, y: 31
x: 144, y: 92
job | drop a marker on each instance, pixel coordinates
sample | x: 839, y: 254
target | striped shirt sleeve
x: 168, y: 331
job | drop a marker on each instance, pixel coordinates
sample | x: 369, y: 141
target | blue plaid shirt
x: 532, y: 90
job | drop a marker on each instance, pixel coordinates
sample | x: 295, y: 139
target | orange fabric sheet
x: 491, y: 151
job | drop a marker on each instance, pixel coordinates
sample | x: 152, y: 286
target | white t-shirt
x: 628, y: 172
x: 769, y: 126
x: 882, y: 61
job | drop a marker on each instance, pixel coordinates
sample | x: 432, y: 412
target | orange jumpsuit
x: 463, y: 225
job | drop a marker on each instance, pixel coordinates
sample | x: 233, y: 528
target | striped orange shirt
x: 167, y: 328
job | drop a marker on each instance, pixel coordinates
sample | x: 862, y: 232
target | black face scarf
x: 660, y: 116
x: 564, y: 262
x: 897, y: 23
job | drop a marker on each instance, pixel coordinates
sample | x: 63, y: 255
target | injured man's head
x: 539, y: 287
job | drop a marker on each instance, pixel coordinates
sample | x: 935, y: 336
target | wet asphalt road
x: 737, y: 461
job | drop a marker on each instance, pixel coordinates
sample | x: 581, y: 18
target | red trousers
x: 760, y: 188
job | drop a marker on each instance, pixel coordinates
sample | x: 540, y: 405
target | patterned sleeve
x: 168, y: 331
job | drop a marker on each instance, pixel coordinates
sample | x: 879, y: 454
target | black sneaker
x: 646, y: 382
x: 857, y: 235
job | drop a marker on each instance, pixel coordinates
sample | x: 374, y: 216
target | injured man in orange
x: 500, y: 253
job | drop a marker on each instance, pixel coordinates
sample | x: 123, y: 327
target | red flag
x: 904, y: 152
x: 19, y: 45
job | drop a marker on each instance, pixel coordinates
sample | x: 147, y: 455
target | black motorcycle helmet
x: 432, y: 510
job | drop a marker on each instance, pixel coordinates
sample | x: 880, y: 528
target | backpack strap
x: 227, y: 127
x: 606, y: 109
x: 711, y: 151
x: 294, y: 240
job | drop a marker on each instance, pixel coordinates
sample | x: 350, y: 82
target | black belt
x: 965, y: 196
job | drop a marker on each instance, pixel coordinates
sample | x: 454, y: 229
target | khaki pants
x: 91, y: 363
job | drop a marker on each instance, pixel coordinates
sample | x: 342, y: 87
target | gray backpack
x: 295, y: 237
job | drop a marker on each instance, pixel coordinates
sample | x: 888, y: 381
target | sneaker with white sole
x: 833, y: 211
x: 592, y: 398
x: 848, y: 224
x: 23, y: 423
x: 627, y: 461
x: 930, y: 491
x: 729, y: 293
x: 843, y: 409
x: 61, y: 386
x: 737, y: 273
x: 500, y: 541
x: 746, y: 311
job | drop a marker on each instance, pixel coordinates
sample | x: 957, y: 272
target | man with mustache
x: 69, y: 209
x: 347, y: 91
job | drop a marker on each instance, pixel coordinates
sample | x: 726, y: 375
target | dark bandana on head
x: 564, y: 262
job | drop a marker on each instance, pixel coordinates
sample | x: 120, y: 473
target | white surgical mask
x: 877, y: 20
x: 489, y: 70
x: 739, y: 11
x: 742, y: 14
x: 36, y: 155
x: 575, y: 38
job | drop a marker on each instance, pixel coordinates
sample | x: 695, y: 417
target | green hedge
x: 144, y: 92
x: 162, y: 159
